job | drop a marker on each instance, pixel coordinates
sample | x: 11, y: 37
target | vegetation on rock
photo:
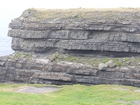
x: 123, y: 61
x: 94, y: 62
x: 120, y: 14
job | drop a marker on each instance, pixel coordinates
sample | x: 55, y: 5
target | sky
x: 10, y: 9
x: 21, y: 4
x: 18, y: 5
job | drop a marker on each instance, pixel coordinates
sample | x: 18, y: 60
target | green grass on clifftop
x: 119, y: 14
x: 72, y: 95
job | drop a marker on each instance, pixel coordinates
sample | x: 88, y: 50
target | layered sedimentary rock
x: 109, y: 33
x: 44, y: 71
x: 81, y: 32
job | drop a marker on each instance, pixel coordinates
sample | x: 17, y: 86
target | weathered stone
x: 103, y: 66
x: 22, y: 75
x: 83, y: 72
x: 2, y: 63
x: 137, y: 76
x: 98, y: 36
x: 78, y: 35
x: 25, y: 34
x: 111, y: 64
x: 10, y: 64
x: 112, y: 36
x: 54, y: 76
x: 59, y: 68
x: 124, y: 69
x: 43, y: 71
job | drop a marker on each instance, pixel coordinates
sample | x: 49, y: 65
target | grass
x: 124, y: 61
x: 71, y: 95
x: 56, y: 57
x: 18, y: 55
x: 120, y: 14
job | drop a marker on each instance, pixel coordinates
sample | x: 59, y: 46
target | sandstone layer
x: 85, y: 32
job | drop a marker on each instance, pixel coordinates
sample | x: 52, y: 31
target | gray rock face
x: 111, y: 64
x: 44, y: 71
x: 108, y: 37
x: 103, y: 66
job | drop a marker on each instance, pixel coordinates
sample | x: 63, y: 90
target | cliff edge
x: 32, y: 68
x: 78, y: 31
x: 84, y: 32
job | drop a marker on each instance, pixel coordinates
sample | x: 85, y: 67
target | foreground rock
x: 44, y: 71
x: 103, y: 33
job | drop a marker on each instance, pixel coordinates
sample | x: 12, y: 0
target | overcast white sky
x: 22, y: 4
x: 16, y: 6
x: 10, y: 9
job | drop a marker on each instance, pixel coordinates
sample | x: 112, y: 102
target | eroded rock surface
x: 117, y: 35
x: 63, y: 72
x: 86, y: 33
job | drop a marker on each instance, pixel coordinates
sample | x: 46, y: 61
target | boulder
x: 102, y: 66
x: 111, y: 64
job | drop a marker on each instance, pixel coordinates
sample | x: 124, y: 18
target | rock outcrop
x: 83, y: 32
x: 44, y: 71
x: 106, y: 33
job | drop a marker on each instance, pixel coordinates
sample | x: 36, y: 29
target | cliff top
x: 118, y: 14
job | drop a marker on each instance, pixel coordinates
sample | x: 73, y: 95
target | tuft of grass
x: 72, y: 95
x: 27, y: 55
x: 17, y: 55
x: 20, y: 55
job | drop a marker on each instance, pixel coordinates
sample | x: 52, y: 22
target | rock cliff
x: 40, y: 70
x: 82, y: 31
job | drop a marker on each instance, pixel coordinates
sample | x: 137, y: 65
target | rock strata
x: 112, y: 36
x: 44, y: 71
x: 80, y: 32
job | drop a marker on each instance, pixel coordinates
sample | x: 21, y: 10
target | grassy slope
x: 71, y: 95
x: 119, y: 14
